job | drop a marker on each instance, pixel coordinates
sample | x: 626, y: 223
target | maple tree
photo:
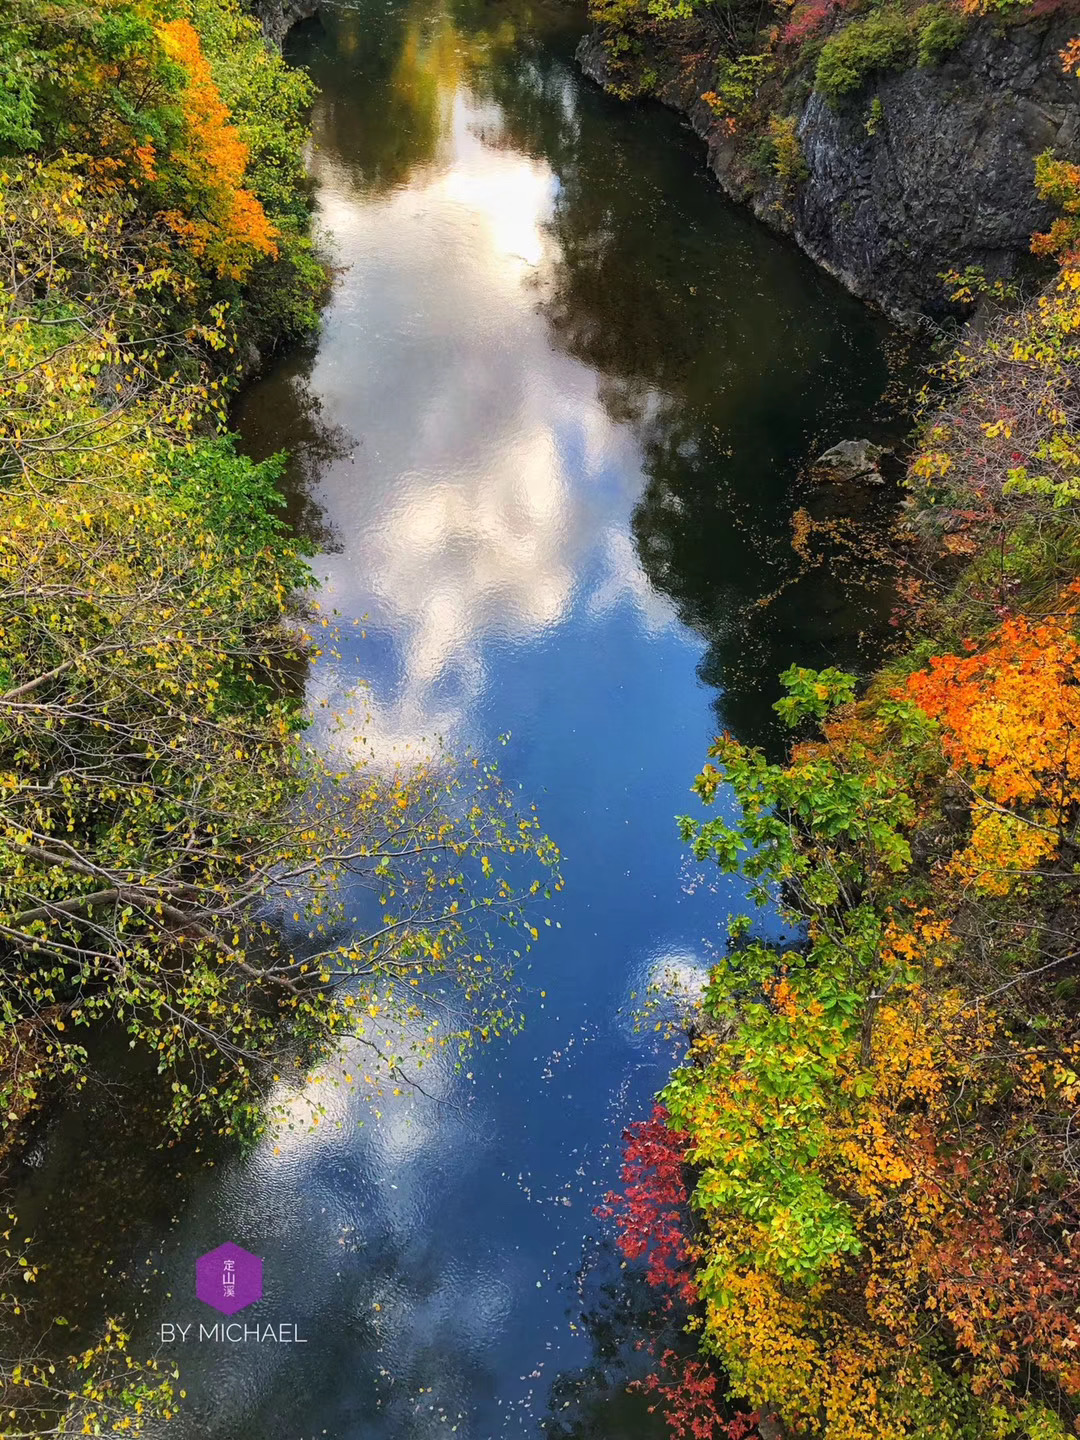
x: 1010, y: 714
x: 689, y: 1394
x: 650, y: 1216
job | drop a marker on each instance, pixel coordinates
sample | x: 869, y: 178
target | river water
x: 549, y: 444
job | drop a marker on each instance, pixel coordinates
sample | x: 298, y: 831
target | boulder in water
x: 850, y: 460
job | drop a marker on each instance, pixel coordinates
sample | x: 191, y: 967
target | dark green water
x: 551, y: 440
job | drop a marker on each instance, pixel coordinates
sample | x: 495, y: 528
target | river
x: 549, y: 443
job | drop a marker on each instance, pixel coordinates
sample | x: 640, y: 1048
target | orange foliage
x: 1010, y: 717
x: 230, y: 227
x: 1058, y: 181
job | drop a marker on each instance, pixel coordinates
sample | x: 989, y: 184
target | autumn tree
x: 888, y: 1206
x: 222, y: 220
x: 177, y: 857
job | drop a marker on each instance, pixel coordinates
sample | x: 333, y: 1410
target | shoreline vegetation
x: 892, y: 140
x: 178, y: 861
x: 862, y: 1183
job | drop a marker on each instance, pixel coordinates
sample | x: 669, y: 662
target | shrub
x: 806, y: 20
x: 787, y: 157
x: 940, y: 29
x: 878, y: 42
x: 737, y: 84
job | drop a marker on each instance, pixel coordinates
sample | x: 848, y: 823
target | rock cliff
x: 277, y: 17
x: 942, y: 176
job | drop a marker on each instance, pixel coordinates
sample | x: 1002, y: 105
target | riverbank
x: 277, y: 17
x: 878, y: 1118
x: 892, y: 159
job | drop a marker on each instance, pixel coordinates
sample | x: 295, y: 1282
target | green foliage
x: 813, y: 693
x: 618, y: 22
x: 230, y: 495
x: 962, y: 286
x: 881, y: 40
x: 268, y: 101
x: 939, y: 30
x: 823, y: 834
x: 17, y: 102
x: 92, y: 75
x: 99, y: 79
x: 857, y: 814
x: 737, y: 83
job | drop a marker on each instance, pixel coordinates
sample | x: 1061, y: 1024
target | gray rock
x: 277, y: 17
x: 945, y: 180
x: 850, y: 460
x: 250, y: 360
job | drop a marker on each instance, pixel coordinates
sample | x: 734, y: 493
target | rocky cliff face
x: 277, y: 17
x: 944, y: 180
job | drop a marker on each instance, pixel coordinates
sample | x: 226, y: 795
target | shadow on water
x: 736, y: 363
x: 618, y: 1313
x: 730, y: 358
x: 299, y: 427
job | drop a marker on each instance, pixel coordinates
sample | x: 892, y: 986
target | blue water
x: 550, y: 443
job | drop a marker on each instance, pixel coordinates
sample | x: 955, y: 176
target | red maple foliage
x: 649, y: 1213
x: 649, y: 1219
x: 686, y: 1389
x: 806, y: 20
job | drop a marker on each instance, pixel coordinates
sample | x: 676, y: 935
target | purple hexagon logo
x: 228, y: 1278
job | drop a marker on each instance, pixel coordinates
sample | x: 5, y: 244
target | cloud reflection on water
x: 503, y: 502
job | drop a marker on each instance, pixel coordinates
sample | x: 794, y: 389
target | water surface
x: 550, y: 442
